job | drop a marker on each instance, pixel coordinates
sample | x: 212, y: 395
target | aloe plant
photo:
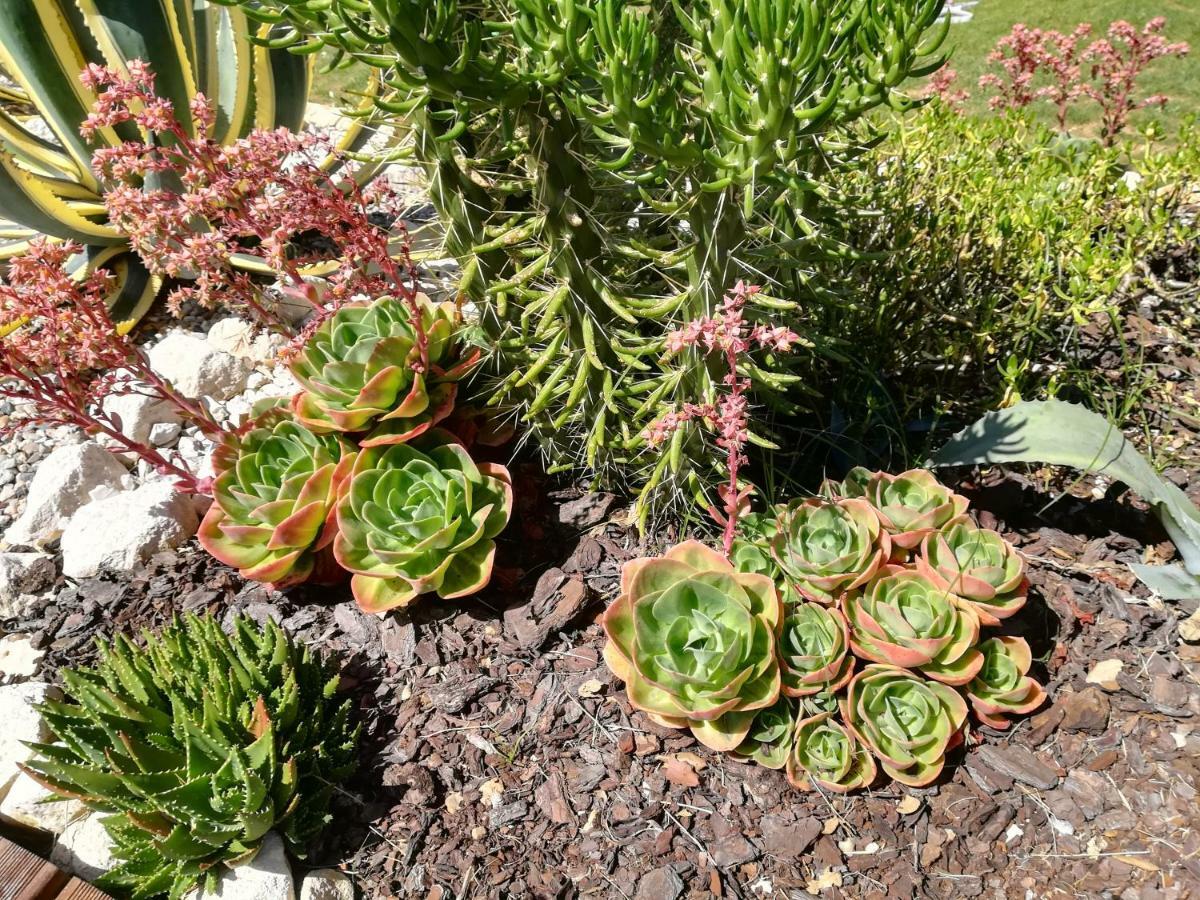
x: 196, y: 745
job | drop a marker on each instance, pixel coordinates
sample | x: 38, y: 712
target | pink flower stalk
x: 58, y: 336
x: 943, y: 86
x: 190, y: 205
x: 1061, y: 61
x: 729, y: 334
x: 1021, y: 55
x: 1118, y: 62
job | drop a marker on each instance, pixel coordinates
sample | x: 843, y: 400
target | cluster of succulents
x: 844, y: 634
x: 351, y: 474
x: 195, y: 745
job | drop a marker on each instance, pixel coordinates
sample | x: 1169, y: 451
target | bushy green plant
x: 605, y: 170
x: 196, y: 745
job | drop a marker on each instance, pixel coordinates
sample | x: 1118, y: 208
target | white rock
x: 18, y: 658
x: 84, y: 849
x: 30, y: 805
x: 21, y: 723
x: 234, y: 336
x: 164, y: 434
x: 122, y: 531
x: 61, y: 485
x: 326, y: 884
x: 139, y: 414
x: 196, y: 368
x: 266, y: 877
x: 22, y: 576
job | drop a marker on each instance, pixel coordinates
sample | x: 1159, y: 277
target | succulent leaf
x: 910, y: 506
x: 827, y: 547
x: 814, y: 650
x: 826, y: 753
x: 769, y: 740
x: 978, y: 565
x: 1002, y: 686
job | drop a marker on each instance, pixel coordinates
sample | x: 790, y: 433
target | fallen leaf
x: 679, y: 772
x: 1104, y: 673
x: 490, y: 792
x: 827, y: 879
x: 908, y: 805
x: 454, y: 802
x: 694, y: 760
x: 1189, y: 628
x: 591, y: 688
x: 1139, y: 862
x: 830, y: 826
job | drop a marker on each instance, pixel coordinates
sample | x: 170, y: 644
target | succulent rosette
x: 1003, y: 686
x: 827, y: 547
x: 274, y: 497
x: 420, y: 517
x: 978, y: 565
x: 901, y: 618
x: 769, y: 740
x: 826, y: 753
x: 814, y: 650
x: 752, y: 553
x: 357, y: 371
x: 910, y: 505
x: 906, y: 721
x: 694, y: 641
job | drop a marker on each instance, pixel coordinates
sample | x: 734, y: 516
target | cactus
x: 605, y: 170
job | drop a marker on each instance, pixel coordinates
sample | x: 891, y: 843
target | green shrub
x: 198, y: 744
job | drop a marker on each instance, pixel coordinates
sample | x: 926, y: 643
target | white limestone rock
x: 139, y: 414
x: 84, y: 849
x: 120, y: 532
x: 198, y: 369
x: 21, y: 723
x: 22, y: 577
x: 63, y: 483
x: 30, y: 805
x: 266, y: 877
x: 18, y: 657
x: 326, y: 884
x: 237, y: 337
x: 165, y: 434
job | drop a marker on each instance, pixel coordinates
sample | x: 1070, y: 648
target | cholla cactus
x: 814, y: 650
x: 420, y: 517
x: 900, y: 618
x: 694, y: 641
x: 907, y: 722
x: 368, y: 367
x: 911, y: 505
x: 826, y: 753
x: 1003, y: 687
x: 977, y: 565
x: 769, y: 741
x: 826, y: 547
x: 274, y: 497
x: 197, y: 745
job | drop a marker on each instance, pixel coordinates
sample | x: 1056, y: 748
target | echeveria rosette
x: 694, y: 641
x: 907, y: 721
x: 978, y: 565
x: 274, y: 497
x: 752, y: 553
x: 814, y: 650
x: 420, y: 517
x: 826, y: 753
x: 356, y: 371
x: 769, y: 740
x: 1003, y: 687
x: 901, y: 618
x: 911, y: 505
x: 827, y: 547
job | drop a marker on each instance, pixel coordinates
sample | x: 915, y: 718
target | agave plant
x: 694, y: 641
x: 274, y: 498
x: 827, y: 547
x: 826, y: 753
x: 357, y: 371
x: 1003, y: 686
x: 420, y: 517
x: 907, y: 722
x: 814, y: 650
x: 977, y: 565
x: 911, y: 505
x: 197, y: 745
x: 47, y: 184
x: 769, y: 740
x: 900, y: 618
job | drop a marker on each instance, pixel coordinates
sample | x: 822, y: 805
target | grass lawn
x: 341, y: 87
x: 1179, y: 79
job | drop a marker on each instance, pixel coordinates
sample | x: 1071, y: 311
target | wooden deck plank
x: 26, y: 876
x: 81, y: 890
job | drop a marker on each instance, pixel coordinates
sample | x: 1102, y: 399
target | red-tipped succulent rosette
x: 826, y: 753
x: 828, y: 547
x: 814, y: 650
x: 1003, y: 687
x: 694, y: 641
x: 910, y: 506
x: 978, y: 565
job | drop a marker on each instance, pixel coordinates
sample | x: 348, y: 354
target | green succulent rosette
x: 911, y: 505
x: 978, y: 565
x: 769, y: 740
x: 420, y: 517
x: 901, y: 618
x: 694, y: 641
x: 751, y: 552
x: 357, y: 371
x: 828, y: 547
x: 1003, y: 687
x: 274, y: 496
x: 826, y: 753
x: 906, y: 721
x: 814, y: 650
